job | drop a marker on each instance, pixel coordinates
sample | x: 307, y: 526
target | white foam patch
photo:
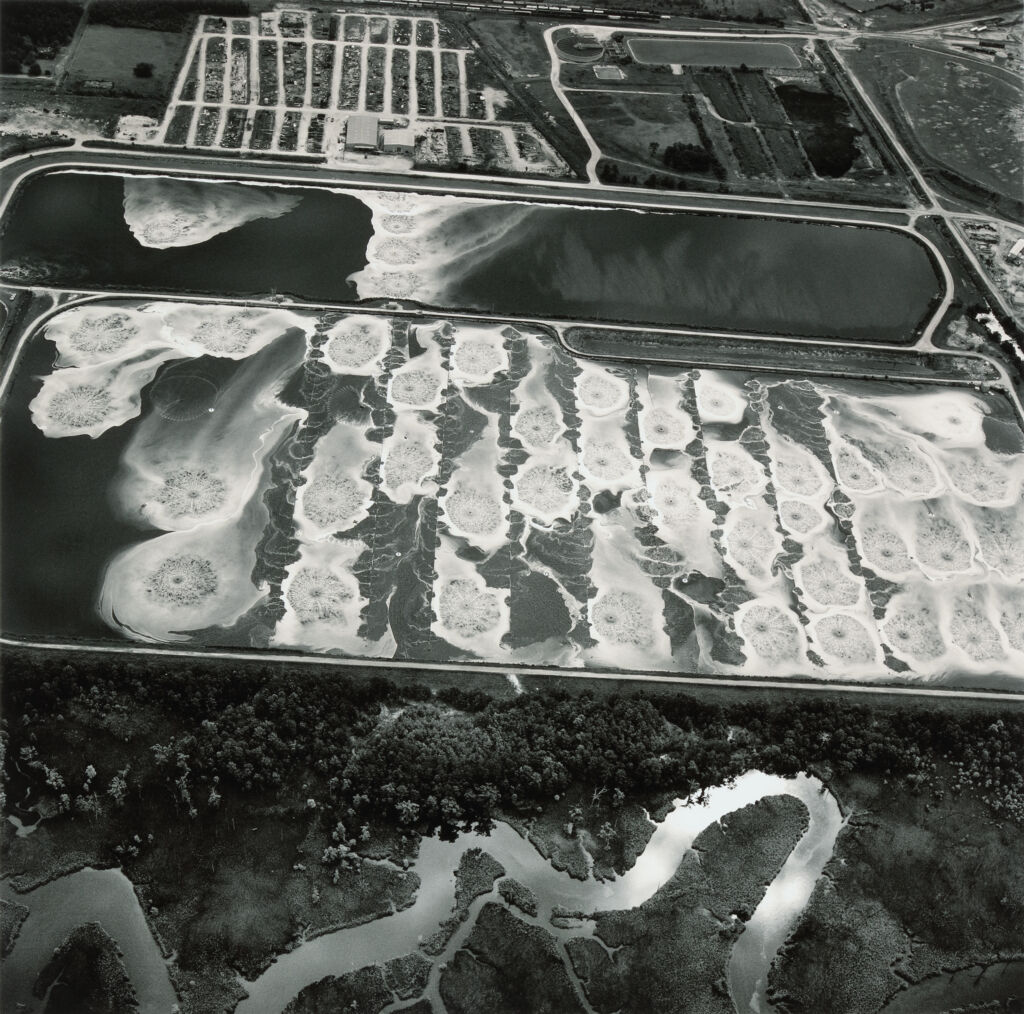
x: 606, y: 462
x: 884, y: 538
x: 796, y: 472
x: 825, y: 578
x: 357, y: 344
x: 545, y: 486
x: 736, y: 476
x: 853, y: 470
x: 720, y: 398
x: 478, y: 355
x: 941, y: 544
x: 224, y: 331
x: 409, y: 460
x: 947, y: 418
x: 89, y: 400
x: 467, y: 612
x: 870, y: 453
x: 100, y: 333
x: 972, y: 628
x: 1009, y: 606
x: 752, y: 543
x: 981, y: 477
x: 422, y: 381
x: 680, y: 515
x: 599, y: 392
x: 322, y: 601
x: 422, y: 246
x: 850, y: 641
x: 473, y: 506
x: 335, y: 496
x: 804, y: 521
x: 912, y: 628
x: 107, y: 353
x: 537, y: 421
x: 663, y: 422
x: 163, y: 212
x: 999, y: 535
x: 184, y: 581
x: 627, y: 616
x: 682, y: 518
x: 180, y: 474
x: 772, y: 633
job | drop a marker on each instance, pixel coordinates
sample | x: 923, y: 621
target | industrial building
x: 362, y: 132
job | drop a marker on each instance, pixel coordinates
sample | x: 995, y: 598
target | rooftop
x: 362, y: 131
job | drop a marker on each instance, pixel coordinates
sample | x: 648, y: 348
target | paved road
x: 547, y: 191
x: 557, y: 328
x: 525, y: 672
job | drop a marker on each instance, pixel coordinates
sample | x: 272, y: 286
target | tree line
x: 364, y: 747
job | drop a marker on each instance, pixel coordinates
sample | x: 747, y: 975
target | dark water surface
x: 76, y: 223
x: 681, y: 269
x: 58, y: 523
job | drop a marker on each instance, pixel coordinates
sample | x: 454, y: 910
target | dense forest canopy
x: 166, y: 16
x: 31, y: 27
x: 365, y: 747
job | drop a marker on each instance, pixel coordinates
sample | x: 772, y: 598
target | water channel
x: 107, y: 897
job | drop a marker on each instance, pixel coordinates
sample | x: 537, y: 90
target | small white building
x: 1016, y: 250
x: 398, y: 142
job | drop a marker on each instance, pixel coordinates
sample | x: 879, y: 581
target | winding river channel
x: 107, y: 897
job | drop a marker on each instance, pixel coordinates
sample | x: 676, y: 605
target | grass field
x: 111, y: 54
x: 968, y: 116
x: 519, y: 44
x: 957, y: 114
x: 626, y: 125
x: 767, y: 134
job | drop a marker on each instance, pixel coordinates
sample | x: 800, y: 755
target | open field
x: 626, y: 125
x: 960, y: 119
x: 518, y: 43
x: 105, y: 60
x: 946, y: 95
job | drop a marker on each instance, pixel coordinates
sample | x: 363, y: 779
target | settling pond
x: 718, y: 272
x: 711, y: 53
